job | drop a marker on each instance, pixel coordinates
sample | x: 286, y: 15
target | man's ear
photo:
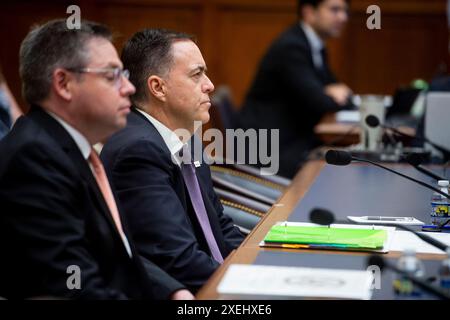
x: 156, y: 87
x: 62, y: 82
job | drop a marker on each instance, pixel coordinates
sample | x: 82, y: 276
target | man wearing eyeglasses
x: 61, y: 234
x: 294, y: 86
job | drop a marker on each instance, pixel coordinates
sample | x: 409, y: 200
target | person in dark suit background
x: 60, y: 232
x: 9, y: 109
x: 173, y: 212
x: 294, y: 86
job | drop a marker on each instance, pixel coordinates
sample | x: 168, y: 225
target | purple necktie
x: 190, y: 178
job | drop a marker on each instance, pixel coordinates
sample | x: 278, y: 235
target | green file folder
x: 327, y: 236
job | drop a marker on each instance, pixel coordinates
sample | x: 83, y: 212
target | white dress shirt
x: 172, y: 141
x: 316, y: 44
x: 80, y: 140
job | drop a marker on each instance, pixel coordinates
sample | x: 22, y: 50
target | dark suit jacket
x: 53, y: 215
x: 161, y: 218
x: 287, y: 94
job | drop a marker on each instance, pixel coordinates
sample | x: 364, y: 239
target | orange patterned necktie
x: 105, y: 188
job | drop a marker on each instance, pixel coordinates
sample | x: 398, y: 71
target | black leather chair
x: 258, y: 188
x: 246, y: 213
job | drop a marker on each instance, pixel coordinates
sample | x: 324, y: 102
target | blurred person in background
x: 9, y: 109
x: 294, y: 86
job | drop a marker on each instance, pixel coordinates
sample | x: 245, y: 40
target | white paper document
x: 406, y: 240
x: 334, y: 225
x: 273, y: 282
x: 348, y: 116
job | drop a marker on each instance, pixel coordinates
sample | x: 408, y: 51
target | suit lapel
x: 66, y: 142
x: 137, y: 119
x: 322, y: 73
x: 302, y: 36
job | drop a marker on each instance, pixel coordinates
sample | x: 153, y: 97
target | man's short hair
x: 50, y: 46
x: 147, y: 53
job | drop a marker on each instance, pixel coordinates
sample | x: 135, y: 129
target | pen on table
x: 294, y: 246
x: 379, y: 218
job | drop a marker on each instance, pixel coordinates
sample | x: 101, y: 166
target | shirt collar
x: 80, y: 140
x: 172, y: 141
x: 313, y: 38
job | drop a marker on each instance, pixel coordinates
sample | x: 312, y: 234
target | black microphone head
x: 338, y: 158
x: 376, y: 260
x: 372, y: 121
x: 321, y: 216
x: 414, y: 159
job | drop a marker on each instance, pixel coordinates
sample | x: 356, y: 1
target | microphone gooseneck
x: 382, y: 263
x: 415, y: 160
x: 343, y: 158
x: 373, y: 122
x: 326, y: 217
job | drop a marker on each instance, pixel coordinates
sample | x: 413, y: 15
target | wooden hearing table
x: 249, y: 249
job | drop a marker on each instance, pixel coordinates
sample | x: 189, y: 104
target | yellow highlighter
x: 295, y: 246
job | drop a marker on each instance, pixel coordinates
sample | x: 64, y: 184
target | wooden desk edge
x: 249, y: 249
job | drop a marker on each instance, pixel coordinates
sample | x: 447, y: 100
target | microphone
x: 421, y: 283
x: 415, y: 160
x: 321, y: 216
x: 338, y: 158
x: 343, y: 158
x: 325, y: 217
x: 373, y: 122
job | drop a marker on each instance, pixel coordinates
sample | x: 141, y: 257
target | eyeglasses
x: 111, y: 74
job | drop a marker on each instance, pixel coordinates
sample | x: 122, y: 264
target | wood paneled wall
x: 234, y: 34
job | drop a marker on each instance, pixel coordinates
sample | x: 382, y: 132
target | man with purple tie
x: 174, y: 215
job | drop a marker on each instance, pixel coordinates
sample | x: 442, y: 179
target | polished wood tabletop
x: 280, y: 211
x: 334, y: 133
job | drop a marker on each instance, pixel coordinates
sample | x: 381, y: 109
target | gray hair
x: 50, y: 46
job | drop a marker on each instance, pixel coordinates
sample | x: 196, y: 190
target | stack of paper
x: 337, y: 237
x: 272, y: 282
x: 348, y: 116
x: 403, y: 240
